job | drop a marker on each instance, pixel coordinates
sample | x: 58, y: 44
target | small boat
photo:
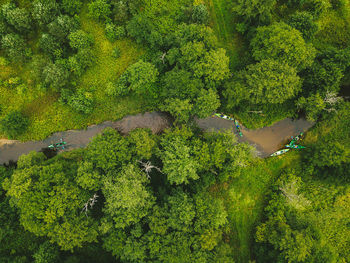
x: 280, y: 152
x: 238, y: 128
x: 57, y: 145
x: 223, y: 116
x: 294, y: 146
x: 295, y: 139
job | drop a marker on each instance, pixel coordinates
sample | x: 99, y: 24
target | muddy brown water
x: 267, y: 140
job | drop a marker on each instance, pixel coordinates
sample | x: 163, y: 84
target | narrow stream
x: 267, y: 140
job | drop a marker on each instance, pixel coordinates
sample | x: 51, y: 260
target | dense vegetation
x: 184, y: 195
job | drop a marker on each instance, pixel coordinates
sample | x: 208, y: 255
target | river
x: 267, y: 140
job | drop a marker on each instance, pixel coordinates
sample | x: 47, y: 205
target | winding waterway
x: 267, y: 140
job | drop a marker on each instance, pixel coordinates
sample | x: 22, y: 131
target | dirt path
x: 267, y: 140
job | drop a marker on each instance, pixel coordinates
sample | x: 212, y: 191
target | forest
x: 184, y: 194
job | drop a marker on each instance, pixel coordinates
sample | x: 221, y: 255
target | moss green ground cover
x: 46, y: 114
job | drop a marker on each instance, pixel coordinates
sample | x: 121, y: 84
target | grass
x: 245, y: 199
x: 222, y: 21
x: 47, y: 115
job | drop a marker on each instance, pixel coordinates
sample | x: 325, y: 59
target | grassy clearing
x: 244, y: 198
x: 47, y: 115
x: 222, y: 21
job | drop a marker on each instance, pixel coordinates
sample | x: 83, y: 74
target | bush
x: 44, y: 11
x: 116, y: 53
x: 14, y: 47
x: 100, y: 10
x: 114, y: 32
x: 82, y: 102
x: 50, y: 46
x: 55, y: 76
x: 19, y: 18
x: 81, y: 61
x: 80, y: 39
x: 14, y: 124
x: 304, y: 22
x: 71, y: 6
x: 62, y: 26
x: 200, y: 14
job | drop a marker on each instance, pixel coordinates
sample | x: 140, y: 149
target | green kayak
x: 280, y: 152
x: 223, y: 116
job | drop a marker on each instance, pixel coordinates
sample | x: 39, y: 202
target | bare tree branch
x: 147, y: 167
x: 90, y: 203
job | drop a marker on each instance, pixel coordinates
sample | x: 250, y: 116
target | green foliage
x: 116, y: 53
x: 200, y: 14
x: 299, y: 232
x: 140, y: 78
x: 108, y: 151
x: 206, y: 103
x: 114, y: 32
x: 143, y: 141
x: 44, y: 11
x: 265, y: 82
x: 87, y: 177
x: 178, y: 162
x: 55, y: 76
x: 284, y: 44
x: 14, y: 47
x: 49, y: 202
x: 82, y: 102
x: 180, y: 109
x: 327, y: 71
x: 127, y: 198
x: 81, y: 61
x: 80, y: 40
x: 304, y: 22
x: 179, y: 83
x: 100, y: 10
x: 71, y: 7
x: 50, y: 46
x: 328, y: 154
x: 214, y: 66
x: 62, y: 26
x: 18, y: 18
x: 46, y: 253
x: 312, y: 105
x: 14, y: 124
x: 254, y: 9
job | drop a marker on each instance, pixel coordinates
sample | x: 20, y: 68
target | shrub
x: 44, y: 11
x: 82, y: 102
x: 304, y: 22
x: 81, y: 61
x: 114, y: 32
x: 14, y: 47
x: 14, y: 124
x: 71, y: 6
x: 200, y: 14
x: 116, y: 53
x: 55, y: 76
x: 80, y: 39
x: 100, y: 10
x: 50, y: 46
x: 19, y: 18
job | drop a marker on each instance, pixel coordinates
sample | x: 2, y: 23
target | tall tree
x: 282, y: 43
x: 268, y: 81
x: 50, y: 202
